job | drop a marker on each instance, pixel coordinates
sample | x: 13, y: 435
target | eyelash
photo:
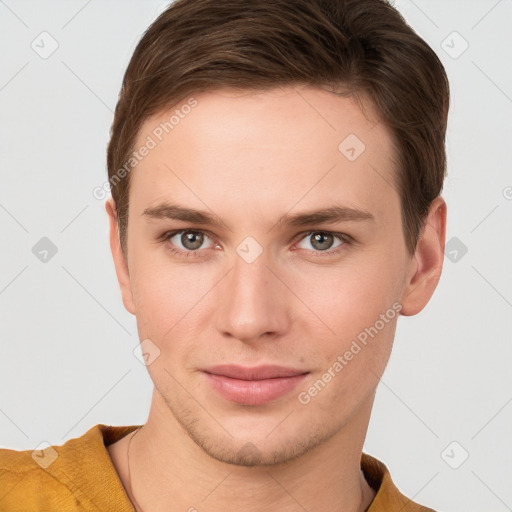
x: 345, y: 239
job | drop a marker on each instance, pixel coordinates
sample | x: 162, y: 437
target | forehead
x: 274, y: 147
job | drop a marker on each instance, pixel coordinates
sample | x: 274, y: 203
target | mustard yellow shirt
x: 80, y: 476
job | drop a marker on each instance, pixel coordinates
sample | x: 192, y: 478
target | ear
x: 427, y: 263
x: 123, y: 275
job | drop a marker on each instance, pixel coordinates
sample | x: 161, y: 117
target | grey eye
x: 189, y: 240
x: 192, y: 240
x: 321, y: 241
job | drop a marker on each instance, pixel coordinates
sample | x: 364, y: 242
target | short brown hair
x: 364, y: 47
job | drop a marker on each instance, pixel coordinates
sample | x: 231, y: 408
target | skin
x: 250, y: 158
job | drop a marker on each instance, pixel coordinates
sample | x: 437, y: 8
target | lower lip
x: 253, y: 392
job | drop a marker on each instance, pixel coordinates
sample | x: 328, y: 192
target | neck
x: 169, y: 471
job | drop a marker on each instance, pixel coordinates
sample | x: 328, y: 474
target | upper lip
x: 254, y: 373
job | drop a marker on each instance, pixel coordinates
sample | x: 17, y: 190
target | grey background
x: 67, y: 360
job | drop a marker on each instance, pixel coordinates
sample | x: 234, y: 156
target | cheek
x: 358, y: 309
x: 168, y: 297
x: 351, y: 297
x: 351, y: 360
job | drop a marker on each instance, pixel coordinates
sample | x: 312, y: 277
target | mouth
x: 253, y: 386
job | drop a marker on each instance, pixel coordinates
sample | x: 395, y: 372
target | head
x: 255, y: 115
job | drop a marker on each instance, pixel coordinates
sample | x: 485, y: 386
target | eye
x: 187, y: 242
x: 190, y: 242
x: 322, y: 241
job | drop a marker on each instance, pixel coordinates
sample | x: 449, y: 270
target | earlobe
x: 121, y: 266
x: 427, y: 263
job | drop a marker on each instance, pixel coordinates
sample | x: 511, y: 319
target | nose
x: 253, y: 301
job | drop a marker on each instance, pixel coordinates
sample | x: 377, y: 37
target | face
x: 266, y: 267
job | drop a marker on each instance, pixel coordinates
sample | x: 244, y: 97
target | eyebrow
x: 329, y: 215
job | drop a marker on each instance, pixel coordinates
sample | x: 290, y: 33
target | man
x: 276, y: 170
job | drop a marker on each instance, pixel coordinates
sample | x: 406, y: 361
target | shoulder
x: 388, y: 497
x: 75, y: 476
x: 26, y: 483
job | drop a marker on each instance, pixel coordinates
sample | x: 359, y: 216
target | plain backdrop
x: 443, y: 413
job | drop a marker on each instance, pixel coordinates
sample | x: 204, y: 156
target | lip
x: 253, y: 386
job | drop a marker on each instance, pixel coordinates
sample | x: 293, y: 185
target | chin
x: 254, y: 454
x: 251, y: 447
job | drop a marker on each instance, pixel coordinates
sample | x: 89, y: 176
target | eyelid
x: 343, y: 237
x: 172, y: 233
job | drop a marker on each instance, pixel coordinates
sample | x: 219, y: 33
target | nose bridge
x: 251, y: 302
